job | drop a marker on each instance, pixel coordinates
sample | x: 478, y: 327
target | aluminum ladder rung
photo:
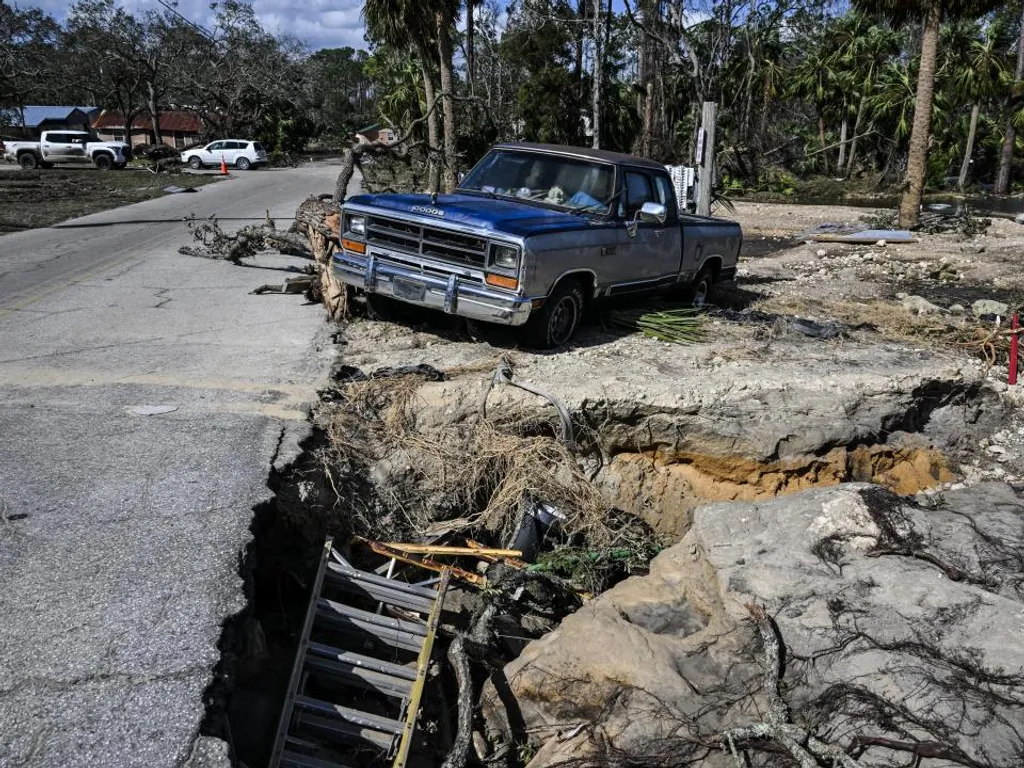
x: 381, y: 593
x: 368, y: 625
x: 371, y: 578
x: 354, y: 716
x: 332, y: 607
x: 358, y: 660
x: 335, y: 730
x: 359, y: 677
x: 296, y: 760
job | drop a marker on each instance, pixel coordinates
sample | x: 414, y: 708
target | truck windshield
x: 559, y: 182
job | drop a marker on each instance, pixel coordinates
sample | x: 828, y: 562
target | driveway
x: 144, y: 397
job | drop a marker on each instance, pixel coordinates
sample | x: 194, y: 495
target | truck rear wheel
x: 28, y: 161
x: 703, y: 287
x: 554, y: 324
x: 103, y: 162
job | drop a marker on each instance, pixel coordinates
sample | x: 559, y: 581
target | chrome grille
x: 427, y: 241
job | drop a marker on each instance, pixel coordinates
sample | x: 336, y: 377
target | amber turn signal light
x: 501, y: 281
x: 353, y: 245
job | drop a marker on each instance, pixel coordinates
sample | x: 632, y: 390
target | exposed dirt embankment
x: 665, y: 489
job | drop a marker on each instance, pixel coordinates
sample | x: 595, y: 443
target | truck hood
x: 501, y: 216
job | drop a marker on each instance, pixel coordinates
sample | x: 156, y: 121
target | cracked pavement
x: 121, y: 534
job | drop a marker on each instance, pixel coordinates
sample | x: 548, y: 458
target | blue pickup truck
x: 533, y: 234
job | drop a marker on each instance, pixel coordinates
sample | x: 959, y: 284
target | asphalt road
x: 121, y: 533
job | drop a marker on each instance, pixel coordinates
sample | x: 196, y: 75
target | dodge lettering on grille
x: 427, y: 210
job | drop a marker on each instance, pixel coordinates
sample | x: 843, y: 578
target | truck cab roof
x: 618, y: 158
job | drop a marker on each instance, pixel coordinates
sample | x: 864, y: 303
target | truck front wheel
x: 103, y: 162
x: 556, y: 321
x: 28, y: 161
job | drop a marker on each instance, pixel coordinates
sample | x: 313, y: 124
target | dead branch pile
x: 312, y: 236
x: 215, y: 243
x: 465, y: 474
x: 962, y: 222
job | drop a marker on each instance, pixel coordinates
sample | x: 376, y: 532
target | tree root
x: 800, y: 743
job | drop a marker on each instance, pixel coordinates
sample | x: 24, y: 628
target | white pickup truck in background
x: 68, y: 148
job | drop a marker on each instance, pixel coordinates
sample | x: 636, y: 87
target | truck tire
x: 554, y: 324
x: 103, y: 161
x: 28, y: 161
x: 703, y: 287
x: 195, y: 163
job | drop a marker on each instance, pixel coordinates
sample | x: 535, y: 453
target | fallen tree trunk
x: 319, y: 218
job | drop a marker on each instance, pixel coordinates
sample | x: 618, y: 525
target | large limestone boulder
x: 902, y: 629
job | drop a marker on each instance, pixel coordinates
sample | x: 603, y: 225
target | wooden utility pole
x: 705, y: 157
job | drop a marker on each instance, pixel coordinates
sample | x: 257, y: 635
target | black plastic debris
x: 538, y: 522
x: 347, y: 373
x: 426, y: 372
x: 827, y: 330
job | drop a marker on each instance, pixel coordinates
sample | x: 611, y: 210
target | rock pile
x: 901, y: 628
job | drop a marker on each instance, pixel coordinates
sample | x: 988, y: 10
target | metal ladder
x: 358, y: 676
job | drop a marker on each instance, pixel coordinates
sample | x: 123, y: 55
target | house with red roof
x: 177, y: 129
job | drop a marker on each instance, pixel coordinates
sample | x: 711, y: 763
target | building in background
x: 177, y: 129
x: 28, y: 122
x: 375, y: 132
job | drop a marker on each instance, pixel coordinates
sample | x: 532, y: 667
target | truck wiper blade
x: 487, y: 192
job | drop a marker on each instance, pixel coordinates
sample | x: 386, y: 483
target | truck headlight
x: 504, y: 256
x: 357, y: 225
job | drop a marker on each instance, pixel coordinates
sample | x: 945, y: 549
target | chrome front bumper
x: 452, y: 294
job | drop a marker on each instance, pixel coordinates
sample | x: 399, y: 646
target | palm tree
x: 444, y: 13
x: 931, y: 14
x: 405, y: 24
x: 1002, y: 185
x: 976, y: 71
x: 867, y: 48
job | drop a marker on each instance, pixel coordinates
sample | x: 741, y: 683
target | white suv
x: 242, y: 155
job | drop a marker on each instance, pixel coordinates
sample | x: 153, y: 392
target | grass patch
x: 41, y: 198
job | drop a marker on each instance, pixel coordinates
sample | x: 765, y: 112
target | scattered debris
x: 291, y: 285
x: 879, y: 237
x: 962, y: 221
x: 920, y: 306
x: 681, y: 325
x: 989, y: 307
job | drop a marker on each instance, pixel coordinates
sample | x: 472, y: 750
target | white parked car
x: 237, y: 153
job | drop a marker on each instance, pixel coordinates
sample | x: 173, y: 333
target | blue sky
x: 317, y: 23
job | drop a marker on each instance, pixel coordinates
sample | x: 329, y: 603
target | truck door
x: 652, y: 252
x: 56, y: 147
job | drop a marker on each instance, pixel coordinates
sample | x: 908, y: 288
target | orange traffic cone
x: 223, y: 166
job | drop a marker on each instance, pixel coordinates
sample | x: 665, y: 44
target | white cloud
x: 317, y: 23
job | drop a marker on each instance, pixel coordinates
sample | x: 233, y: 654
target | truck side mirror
x: 653, y: 213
